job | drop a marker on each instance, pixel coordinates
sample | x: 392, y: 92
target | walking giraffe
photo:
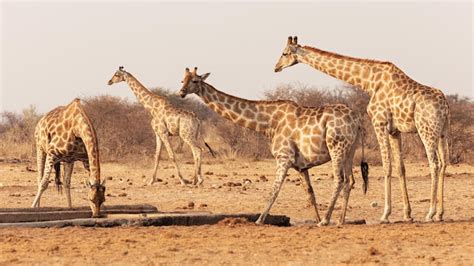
x: 167, y: 120
x: 66, y: 135
x: 398, y: 104
x: 302, y: 137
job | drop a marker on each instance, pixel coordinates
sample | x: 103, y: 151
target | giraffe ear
x: 290, y: 41
x: 204, y: 76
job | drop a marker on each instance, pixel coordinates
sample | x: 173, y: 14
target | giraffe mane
x: 252, y: 101
x: 346, y: 57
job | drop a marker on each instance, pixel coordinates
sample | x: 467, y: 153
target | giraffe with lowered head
x: 398, y: 104
x: 167, y: 120
x: 65, y: 135
x: 301, y: 137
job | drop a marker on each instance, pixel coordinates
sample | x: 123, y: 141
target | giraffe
x: 301, y: 137
x: 398, y: 104
x: 65, y: 135
x: 167, y: 120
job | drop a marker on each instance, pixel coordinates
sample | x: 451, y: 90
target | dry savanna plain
x: 235, y: 186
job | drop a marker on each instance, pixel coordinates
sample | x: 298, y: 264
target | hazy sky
x: 52, y: 52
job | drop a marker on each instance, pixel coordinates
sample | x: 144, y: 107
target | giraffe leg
x: 40, y: 162
x: 348, y: 185
x: 157, y: 159
x: 396, y: 144
x: 166, y: 142
x: 382, y: 138
x: 338, y: 175
x: 430, y: 147
x: 283, y: 164
x: 443, y: 159
x: 44, y: 182
x: 68, y: 167
x: 310, y: 192
x: 88, y: 169
x: 198, y: 180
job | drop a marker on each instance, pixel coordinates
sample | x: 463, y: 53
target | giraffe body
x: 301, y: 137
x: 398, y: 104
x: 167, y: 120
x: 65, y: 135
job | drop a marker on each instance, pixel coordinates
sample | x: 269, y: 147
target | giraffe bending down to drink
x: 301, y: 137
x: 167, y: 120
x: 65, y: 135
x: 398, y: 104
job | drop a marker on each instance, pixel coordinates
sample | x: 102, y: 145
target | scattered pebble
x: 373, y: 204
x: 191, y: 205
x: 109, y: 178
x: 263, y: 178
x: 123, y: 194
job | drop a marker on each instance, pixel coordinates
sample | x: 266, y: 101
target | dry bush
x: 125, y: 133
x: 17, y: 134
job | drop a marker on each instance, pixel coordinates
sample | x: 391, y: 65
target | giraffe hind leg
x: 443, y: 160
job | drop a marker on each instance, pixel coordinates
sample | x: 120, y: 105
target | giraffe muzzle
x: 110, y: 82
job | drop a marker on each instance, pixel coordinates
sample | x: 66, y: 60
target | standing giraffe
x: 167, y: 120
x: 398, y: 104
x: 302, y: 137
x: 65, y: 135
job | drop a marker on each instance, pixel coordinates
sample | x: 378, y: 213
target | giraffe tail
x: 57, y: 177
x: 364, y: 166
x: 210, y: 149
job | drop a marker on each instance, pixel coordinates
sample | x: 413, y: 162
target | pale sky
x: 52, y: 52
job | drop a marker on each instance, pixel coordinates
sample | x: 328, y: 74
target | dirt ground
x: 243, y: 186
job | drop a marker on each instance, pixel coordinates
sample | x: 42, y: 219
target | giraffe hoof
x: 408, y: 219
x: 429, y: 219
x: 384, y: 221
x: 439, y: 218
x: 323, y: 223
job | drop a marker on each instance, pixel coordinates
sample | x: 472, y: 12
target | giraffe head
x: 288, y: 57
x: 96, y: 197
x: 192, y: 82
x: 119, y: 76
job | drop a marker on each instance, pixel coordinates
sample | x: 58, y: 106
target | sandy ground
x: 241, y: 243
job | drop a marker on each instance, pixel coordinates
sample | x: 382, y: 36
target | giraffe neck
x: 148, y: 99
x: 84, y: 129
x: 246, y: 113
x: 355, y: 71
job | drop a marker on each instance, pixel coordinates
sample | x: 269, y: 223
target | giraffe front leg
x: 44, y: 182
x: 385, y: 151
x: 283, y: 164
x: 310, y: 193
x: 396, y: 145
x: 68, y: 167
x: 159, y: 143
x: 166, y: 142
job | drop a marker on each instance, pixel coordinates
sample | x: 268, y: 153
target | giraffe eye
x: 285, y: 54
x: 195, y: 81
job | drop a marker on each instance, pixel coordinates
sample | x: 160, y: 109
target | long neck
x: 355, y: 71
x: 85, y: 130
x: 249, y: 114
x: 147, y: 98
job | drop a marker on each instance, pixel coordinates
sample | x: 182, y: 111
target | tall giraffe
x: 302, y: 137
x: 167, y: 120
x: 65, y: 135
x: 398, y: 104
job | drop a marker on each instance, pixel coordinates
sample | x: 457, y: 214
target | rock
x: 123, y: 194
x: 374, y: 204
x: 208, y: 173
x: 263, y: 178
x: 109, y: 178
x: 190, y: 205
x: 202, y: 205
